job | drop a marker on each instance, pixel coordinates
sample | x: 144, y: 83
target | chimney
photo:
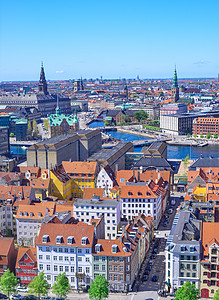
x: 116, y: 168
x: 138, y: 175
x: 141, y: 169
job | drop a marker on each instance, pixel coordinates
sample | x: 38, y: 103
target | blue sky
x: 113, y: 38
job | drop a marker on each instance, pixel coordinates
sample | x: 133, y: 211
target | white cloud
x: 201, y: 62
x: 58, y: 72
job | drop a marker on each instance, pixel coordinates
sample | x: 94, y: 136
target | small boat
x: 24, y: 147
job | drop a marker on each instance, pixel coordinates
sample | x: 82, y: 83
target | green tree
x: 61, y: 287
x: 188, y: 135
x: 195, y: 135
x: 140, y: 115
x: 46, y: 124
x: 125, y: 119
x: 186, y: 160
x: 208, y: 136
x: 12, y: 134
x: 29, y: 130
x: 216, y: 295
x: 8, y: 282
x: 201, y: 136
x: 187, y: 292
x: 35, y: 129
x: 107, y: 123
x: 39, y: 286
x: 99, y: 288
x: 215, y: 136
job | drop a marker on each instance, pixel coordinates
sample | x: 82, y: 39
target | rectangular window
x: 40, y: 266
x: 55, y: 268
x: 48, y: 257
x: 66, y: 258
x: 40, y: 257
x: 72, y: 279
x: 66, y: 269
x: 120, y: 277
x: 72, y: 259
x: 60, y: 268
x: 48, y: 267
x: 79, y: 258
x: 72, y: 269
x: 115, y: 277
x: 54, y: 257
x: 87, y: 270
x: 60, y: 257
x: 79, y: 250
x: 87, y: 259
x: 80, y: 269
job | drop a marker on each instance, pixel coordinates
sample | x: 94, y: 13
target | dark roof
x: 156, y: 162
x: 205, y: 162
x: 112, y: 113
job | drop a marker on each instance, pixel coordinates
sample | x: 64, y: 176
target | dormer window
x: 20, y: 214
x: 25, y: 214
x: 59, y: 239
x: 45, y: 238
x: 139, y: 193
x: 148, y: 193
x: 84, y: 240
x: 114, y: 248
x: 39, y: 214
x: 130, y: 193
x: 31, y: 214
x: 70, y: 240
x: 128, y: 245
x: 97, y: 247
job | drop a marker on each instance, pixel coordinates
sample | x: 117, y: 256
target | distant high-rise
x: 175, y: 88
x: 42, y: 86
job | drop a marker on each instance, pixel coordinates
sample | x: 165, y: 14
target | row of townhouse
x: 83, y: 254
x: 192, y: 254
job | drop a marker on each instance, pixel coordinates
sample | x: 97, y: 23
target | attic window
x: 20, y: 214
x: 128, y: 245
x: 45, y: 238
x: 130, y: 193
x: 148, y: 193
x: 25, y: 214
x: 59, y: 239
x: 31, y: 214
x: 84, y: 240
x: 97, y: 247
x: 70, y: 240
x: 139, y: 193
x: 122, y: 179
x: 114, y: 248
x: 39, y: 214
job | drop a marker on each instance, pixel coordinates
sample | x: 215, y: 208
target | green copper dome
x: 75, y: 119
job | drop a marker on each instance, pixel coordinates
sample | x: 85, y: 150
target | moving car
x: 21, y: 289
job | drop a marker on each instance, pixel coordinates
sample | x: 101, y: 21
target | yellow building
x: 115, y: 192
x: 199, y: 194
x: 83, y: 175
x: 60, y: 184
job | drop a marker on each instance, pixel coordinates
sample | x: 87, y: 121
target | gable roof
x: 31, y: 252
x: 210, y: 231
x: 80, y: 167
x: 78, y: 230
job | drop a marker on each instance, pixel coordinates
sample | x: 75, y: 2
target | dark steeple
x: 42, y: 86
x: 175, y: 81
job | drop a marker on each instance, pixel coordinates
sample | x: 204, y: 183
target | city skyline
x: 116, y: 40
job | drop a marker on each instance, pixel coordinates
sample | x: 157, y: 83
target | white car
x: 21, y: 289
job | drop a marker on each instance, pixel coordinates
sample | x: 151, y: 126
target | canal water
x: 173, y: 152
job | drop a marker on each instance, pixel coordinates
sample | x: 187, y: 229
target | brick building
x: 8, y: 255
x: 205, y: 125
x: 26, y: 265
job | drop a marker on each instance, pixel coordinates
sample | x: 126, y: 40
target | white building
x: 106, y: 179
x: 183, y: 250
x: 66, y: 248
x: 30, y: 218
x: 87, y: 209
x: 143, y: 197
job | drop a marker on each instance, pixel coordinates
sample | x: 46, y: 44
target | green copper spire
x: 175, y: 81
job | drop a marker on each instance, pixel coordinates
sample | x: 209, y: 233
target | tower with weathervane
x: 175, y: 88
x: 42, y: 86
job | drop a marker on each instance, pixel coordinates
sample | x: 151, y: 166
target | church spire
x: 42, y: 86
x: 58, y: 110
x: 175, y: 81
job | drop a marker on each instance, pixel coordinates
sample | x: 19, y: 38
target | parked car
x: 147, y: 272
x: 21, y: 289
x: 155, y: 250
x: 148, y: 267
x: 170, y: 211
x: 155, y: 278
x: 165, y: 224
x: 3, y: 296
x: 17, y: 297
x: 145, y: 277
x: 46, y: 298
